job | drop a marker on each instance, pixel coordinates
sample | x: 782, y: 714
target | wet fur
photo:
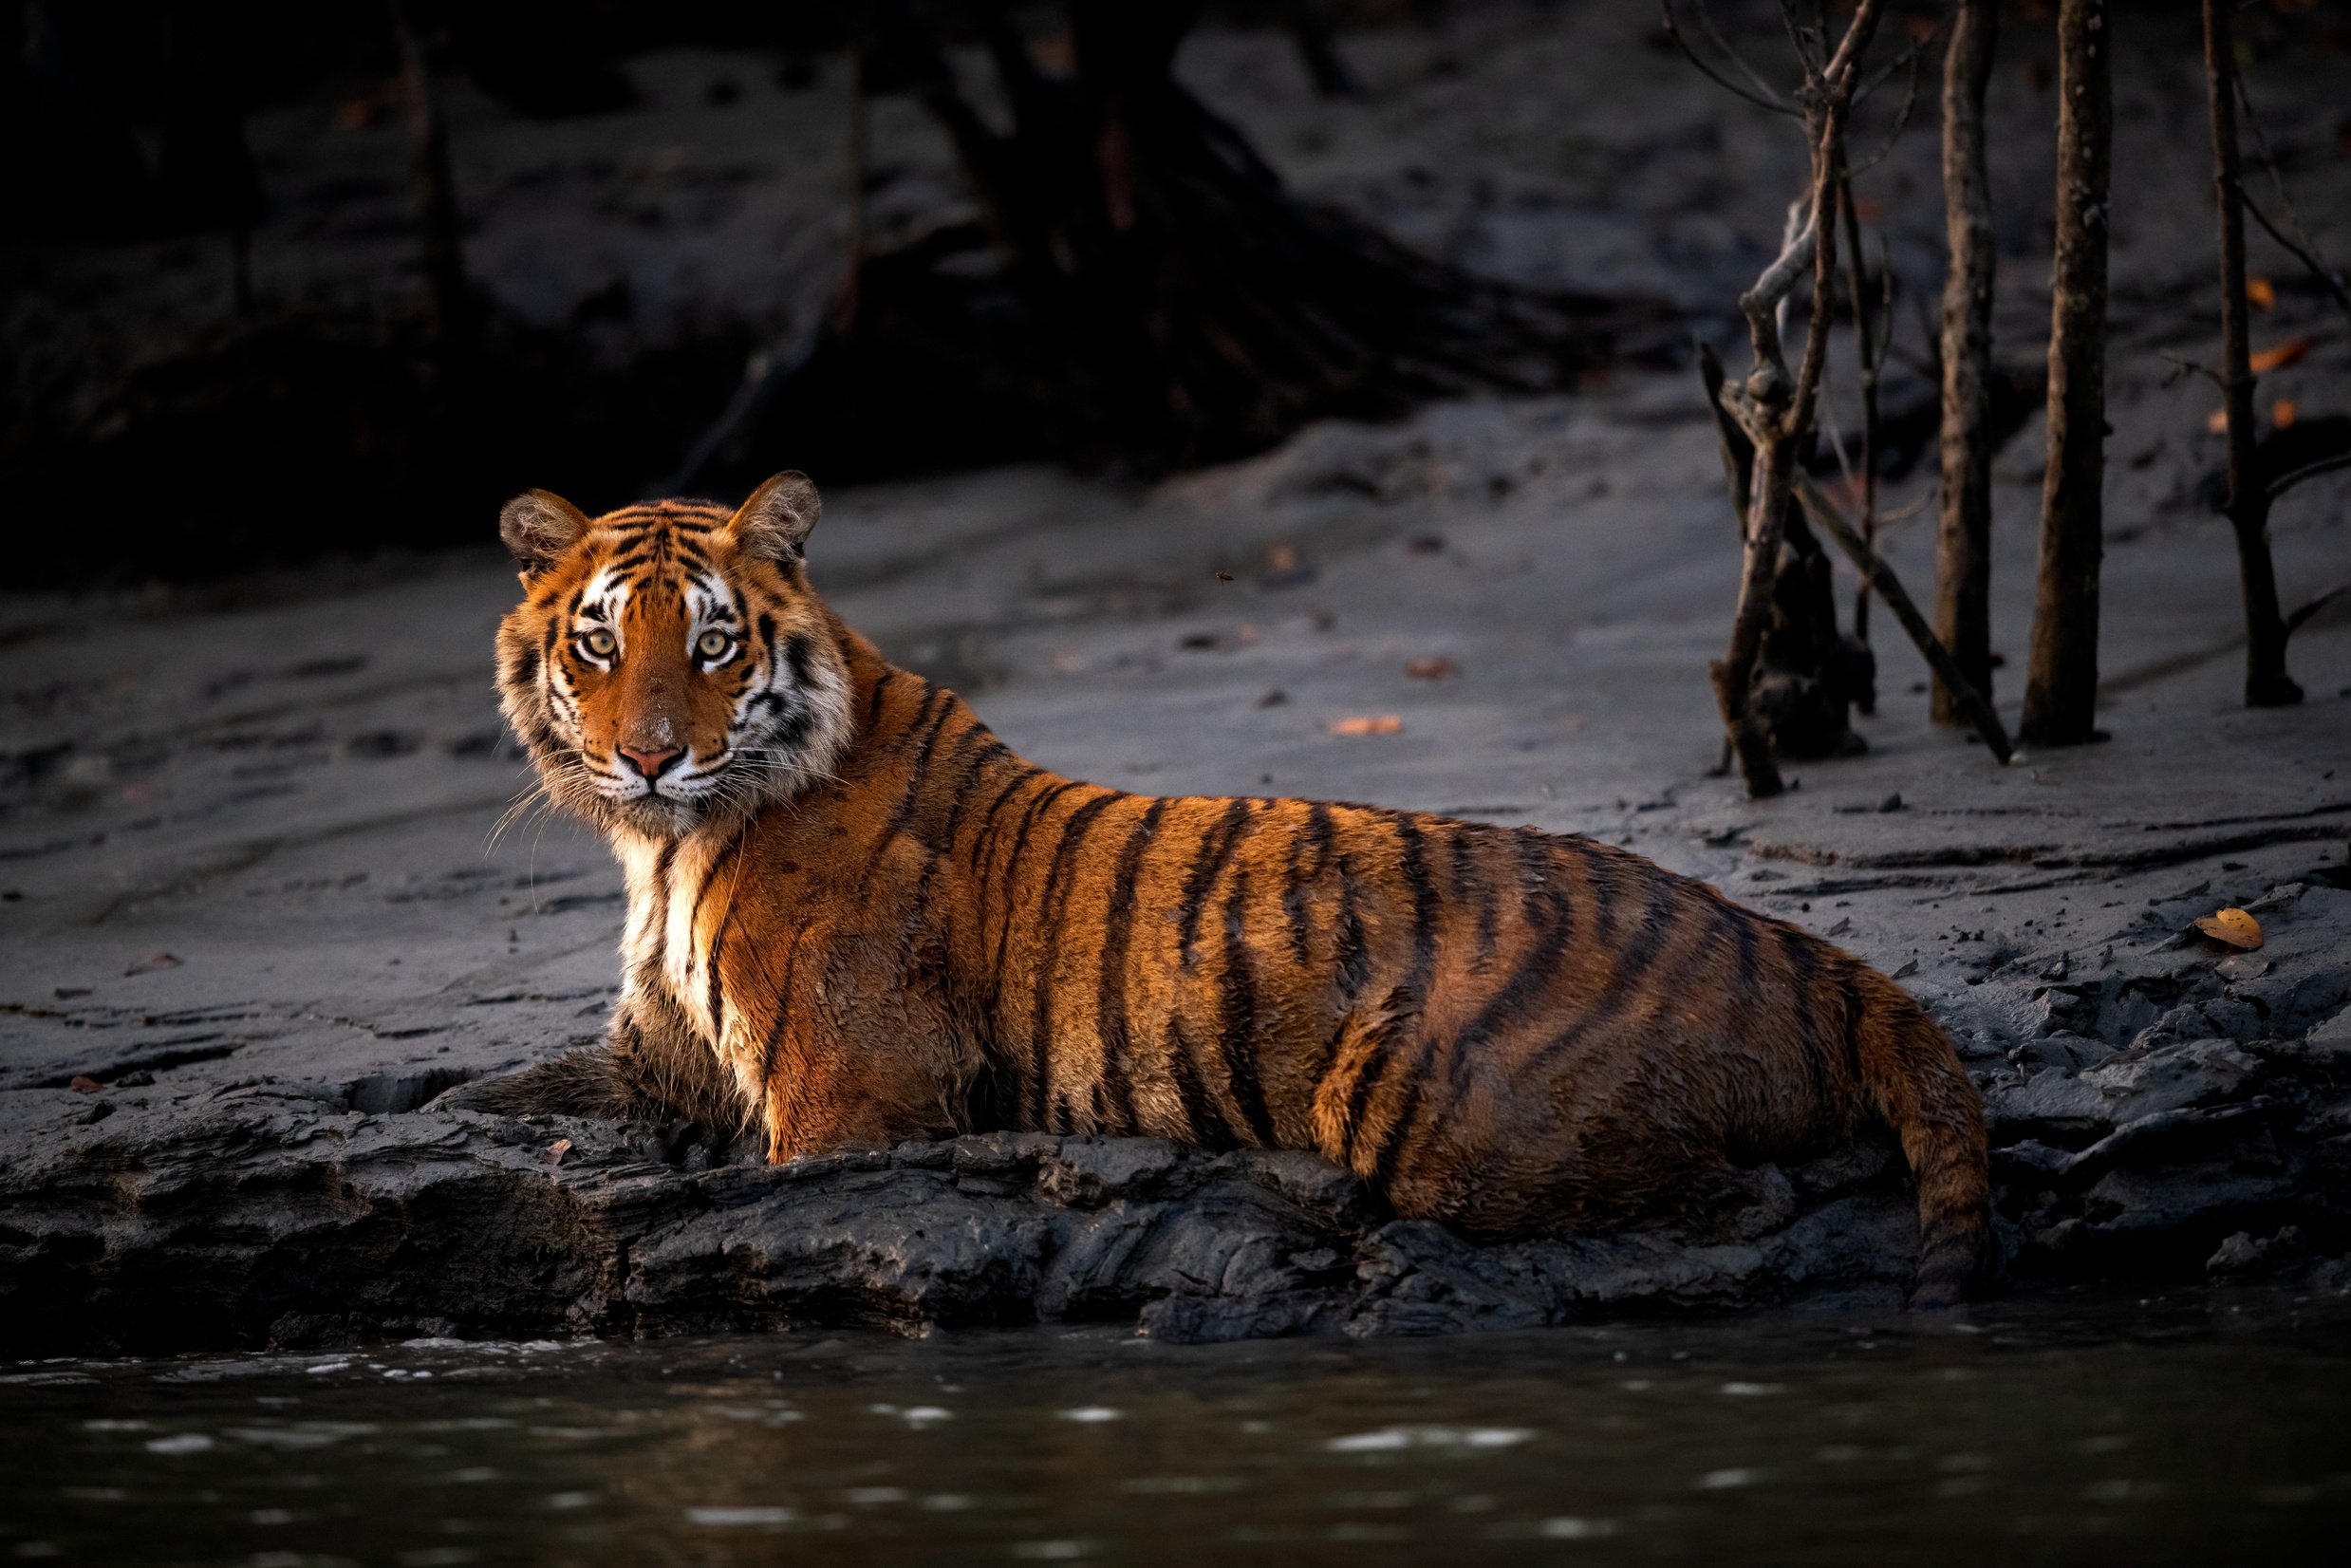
x: 907, y: 930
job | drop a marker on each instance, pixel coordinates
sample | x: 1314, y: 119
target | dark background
x: 220, y: 349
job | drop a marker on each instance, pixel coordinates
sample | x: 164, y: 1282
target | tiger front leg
x: 866, y: 1056
x: 662, y: 1065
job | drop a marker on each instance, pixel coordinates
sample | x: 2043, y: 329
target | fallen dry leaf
x: 2262, y: 292
x: 2233, y: 927
x: 1369, y: 723
x: 1432, y: 669
x: 154, y: 960
x: 1224, y: 576
x: 1282, y: 558
x: 2218, y: 422
x: 80, y: 1085
x: 2278, y: 356
x: 556, y: 1150
x: 2283, y: 413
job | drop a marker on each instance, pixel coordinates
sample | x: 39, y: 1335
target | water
x: 2199, y: 1428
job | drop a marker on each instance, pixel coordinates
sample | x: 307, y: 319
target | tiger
x: 855, y: 917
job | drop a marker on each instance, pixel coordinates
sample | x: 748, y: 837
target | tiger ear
x: 539, y: 525
x: 774, y: 523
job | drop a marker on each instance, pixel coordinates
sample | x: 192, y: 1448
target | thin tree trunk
x: 2061, y: 685
x: 1868, y: 361
x: 2266, y: 684
x: 1775, y: 408
x: 1963, y: 558
x: 435, y: 187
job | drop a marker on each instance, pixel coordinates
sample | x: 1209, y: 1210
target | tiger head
x: 669, y: 663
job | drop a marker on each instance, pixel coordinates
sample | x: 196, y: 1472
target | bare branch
x: 1706, y: 19
x: 1880, y: 576
x: 1775, y: 280
x: 2294, y: 620
x: 1674, y: 32
x: 2332, y: 281
x: 2307, y: 251
x: 1796, y: 38
x: 2183, y: 366
x: 2308, y: 470
x: 1901, y: 115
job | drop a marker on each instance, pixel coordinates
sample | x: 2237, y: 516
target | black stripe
x: 1215, y: 849
x: 1381, y: 1056
x: 1392, y: 1141
x: 716, y: 998
x: 1112, y: 1023
x: 910, y: 797
x: 1552, y: 926
x: 917, y: 775
x: 1856, y: 1005
x: 1414, y: 864
x: 1471, y: 877
x: 1038, y: 804
x: 873, y: 698
x: 983, y: 749
x: 718, y: 864
x: 1351, y: 947
x: 661, y: 901
x: 783, y: 1004
x: 985, y: 840
x: 1804, y: 962
x: 1204, y: 1123
x: 1295, y: 899
x: 1056, y: 903
x: 1646, y: 946
x: 1236, y: 1011
x: 799, y: 653
x: 1746, y: 956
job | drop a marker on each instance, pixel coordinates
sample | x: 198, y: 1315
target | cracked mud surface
x: 251, y: 891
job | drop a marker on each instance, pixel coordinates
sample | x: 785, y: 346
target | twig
x: 2332, y: 281
x: 2294, y: 620
x: 1901, y: 115
x: 2307, y: 251
x: 2308, y: 470
x: 1871, y: 363
x: 1880, y: 576
x: 2183, y: 366
x: 1706, y: 19
x: 1673, y: 32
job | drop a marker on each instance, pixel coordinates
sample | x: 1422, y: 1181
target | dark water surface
x: 2197, y: 1428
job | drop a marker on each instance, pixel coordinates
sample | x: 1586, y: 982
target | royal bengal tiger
x: 856, y: 916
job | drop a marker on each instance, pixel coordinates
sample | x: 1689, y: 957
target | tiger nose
x: 652, y: 763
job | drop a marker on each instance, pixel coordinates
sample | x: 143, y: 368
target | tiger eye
x: 599, y: 643
x: 713, y: 644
